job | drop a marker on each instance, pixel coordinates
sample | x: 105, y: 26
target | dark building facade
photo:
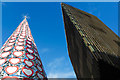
x: 93, y: 47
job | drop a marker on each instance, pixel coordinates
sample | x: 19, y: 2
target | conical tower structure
x: 19, y: 56
x: 93, y: 47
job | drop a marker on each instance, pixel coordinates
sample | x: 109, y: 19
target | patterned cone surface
x: 19, y: 58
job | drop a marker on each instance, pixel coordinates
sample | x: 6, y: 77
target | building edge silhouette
x: 93, y: 48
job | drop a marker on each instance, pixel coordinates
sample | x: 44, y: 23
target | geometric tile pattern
x: 19, y: 58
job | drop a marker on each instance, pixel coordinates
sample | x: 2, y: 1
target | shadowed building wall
x: 19, y: 57
x: 93, y: 48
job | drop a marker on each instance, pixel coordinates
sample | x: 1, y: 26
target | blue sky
x: 46, y: 24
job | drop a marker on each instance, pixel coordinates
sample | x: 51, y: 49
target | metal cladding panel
x: 19, y: 57
x: 93, y: 48
x: 98, y: 33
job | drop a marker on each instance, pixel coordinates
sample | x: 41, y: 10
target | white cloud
x: 61, y: 75
x: 56, y: 62
x: 59, y: 69
x: 44, y: 50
